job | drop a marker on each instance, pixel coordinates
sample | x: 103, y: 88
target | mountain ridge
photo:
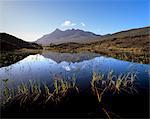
x: 132, y: 45
x: 79, y: 36
x: 70, y: 35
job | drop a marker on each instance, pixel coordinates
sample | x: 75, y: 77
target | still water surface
x: 49, y: 65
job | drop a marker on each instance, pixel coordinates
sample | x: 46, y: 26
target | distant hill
x: 73, y: 35
x: 80, y: 36
x: 130, y: 45
x: 128, y: 33
x: 9, y: 42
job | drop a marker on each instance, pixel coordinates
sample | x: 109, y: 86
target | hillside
x: 9, y: 42
x: 132, y: 45
x: 73, y: 35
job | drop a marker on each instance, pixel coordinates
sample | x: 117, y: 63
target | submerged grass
x: 113, y: 84
x: 33, y: 92
x: 124, y: 83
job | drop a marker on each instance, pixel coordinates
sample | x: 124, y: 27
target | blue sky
x: 30, y: 19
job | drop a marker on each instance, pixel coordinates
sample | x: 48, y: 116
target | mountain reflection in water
x: 38, y: 67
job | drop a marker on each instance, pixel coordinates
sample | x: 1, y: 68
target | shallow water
x: 49, y: 65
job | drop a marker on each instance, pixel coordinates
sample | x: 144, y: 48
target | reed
x: 62, y: 87
x: 48, y: 94
x: 113, y: 83
x: 6, y: 92
x: 36, y: 90
x: 30, y: 91
x: 33, y: 92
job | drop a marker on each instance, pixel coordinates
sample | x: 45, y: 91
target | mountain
x: 71, y: 35
x: 132, y: 45
x: 9, y: 42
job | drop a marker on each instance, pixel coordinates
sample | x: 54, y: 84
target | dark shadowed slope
x: 73, y: 35
x: 9, y: 42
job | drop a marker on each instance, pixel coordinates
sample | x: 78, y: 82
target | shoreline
x: 11, y: 57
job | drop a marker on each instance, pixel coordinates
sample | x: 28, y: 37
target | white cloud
x: 68, y: 23
x: 82, y: 24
